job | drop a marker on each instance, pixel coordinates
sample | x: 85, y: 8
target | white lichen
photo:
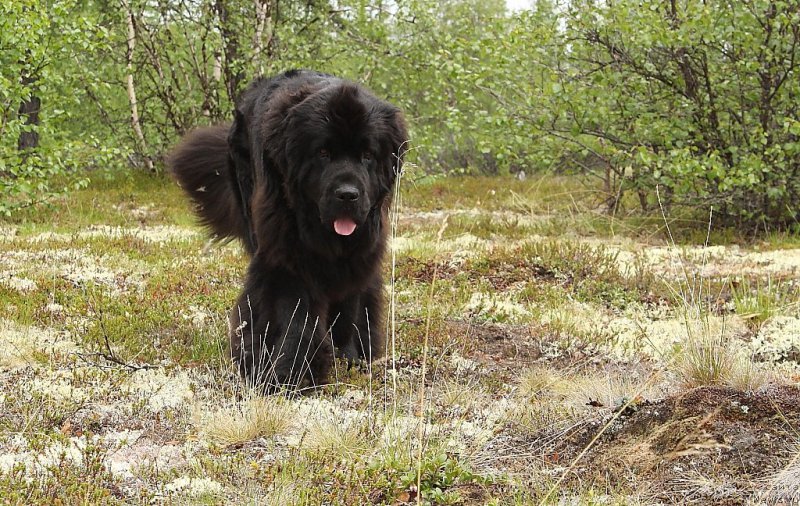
x: 118, y: 274
x: 778, y: 341
x: 194, y: 486
x: 18, y: 283
x: 154, y: 234
x: 198, y: 316
x: 19, y: 344
x: 495, y: 307
x: 161, y: 390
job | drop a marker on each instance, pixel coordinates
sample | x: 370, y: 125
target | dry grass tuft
x: 460, y: 397
x: 283, y: 492
x: 604, y: 391
x: 537, y: 381
x: 536, y: 416
x: 340, y: 436
x: 705, y: 358
x: 711, y: 357
x: 538, y: 403
x: 784, y: 487
x: 747, y: 375
x: 247, y: 420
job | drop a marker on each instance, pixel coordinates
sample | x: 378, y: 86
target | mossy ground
x: 541, y: 352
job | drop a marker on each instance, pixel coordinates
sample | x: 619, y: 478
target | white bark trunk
x: 262, y: 11
x: 135, y: 124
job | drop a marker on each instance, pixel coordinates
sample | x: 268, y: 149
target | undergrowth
x: 525, y: 331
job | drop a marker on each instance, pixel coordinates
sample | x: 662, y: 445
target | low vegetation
x: 539, y: 353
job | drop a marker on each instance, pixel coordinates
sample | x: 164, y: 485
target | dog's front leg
x: 278, y: 332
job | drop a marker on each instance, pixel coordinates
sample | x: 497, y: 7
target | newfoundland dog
x: 303, y: 178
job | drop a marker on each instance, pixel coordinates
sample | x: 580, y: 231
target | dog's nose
x: 347, y: 193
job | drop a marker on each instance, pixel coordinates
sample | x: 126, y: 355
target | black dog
x: 304, y: 178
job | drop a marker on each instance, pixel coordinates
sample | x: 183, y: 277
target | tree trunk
x: 29, y: 109
x: 230, y: 46
x: 135, y: 124
x: 263, y: 21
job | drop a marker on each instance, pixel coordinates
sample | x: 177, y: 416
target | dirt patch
x: 501, y: 275
x: 497, y: 345
x: 426, y: 271
x: 710, y: 445
x: 504, y: 350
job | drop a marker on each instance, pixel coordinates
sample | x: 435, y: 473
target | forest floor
x: 540, y: 352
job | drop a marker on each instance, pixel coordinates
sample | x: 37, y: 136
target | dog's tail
x: 200, y: 164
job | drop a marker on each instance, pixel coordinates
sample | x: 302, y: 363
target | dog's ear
x: 389, y: 128
x: 239, y: 149
x: 273, y: 127
x: 239, y: 140
x: 393, y: 137
x: 398, y: 132
x: 272, y: 144
x: 241, y: 173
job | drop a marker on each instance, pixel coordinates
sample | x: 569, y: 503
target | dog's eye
x: 324, y: 153
x: 366, y: 157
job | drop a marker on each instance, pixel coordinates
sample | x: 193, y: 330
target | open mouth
x: 344, y: 226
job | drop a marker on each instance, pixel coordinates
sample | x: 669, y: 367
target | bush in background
x: 695, y: 99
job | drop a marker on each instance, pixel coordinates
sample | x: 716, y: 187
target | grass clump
x: 460, y: 397
x: 247, y: 420
x: 746, y: 375
x: 535, y: 382
x: 339, y: 436
x: 704, y: 359
x: 283, y: 492
x: 537, y: 405
x: 605, y: 391
x: 710, y: 356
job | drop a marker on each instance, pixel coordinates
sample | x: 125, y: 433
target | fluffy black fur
x: 307, y: 157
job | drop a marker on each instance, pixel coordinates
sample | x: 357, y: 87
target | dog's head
x: 339, y: 151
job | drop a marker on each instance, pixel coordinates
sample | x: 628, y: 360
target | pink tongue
x: 344, y: 226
